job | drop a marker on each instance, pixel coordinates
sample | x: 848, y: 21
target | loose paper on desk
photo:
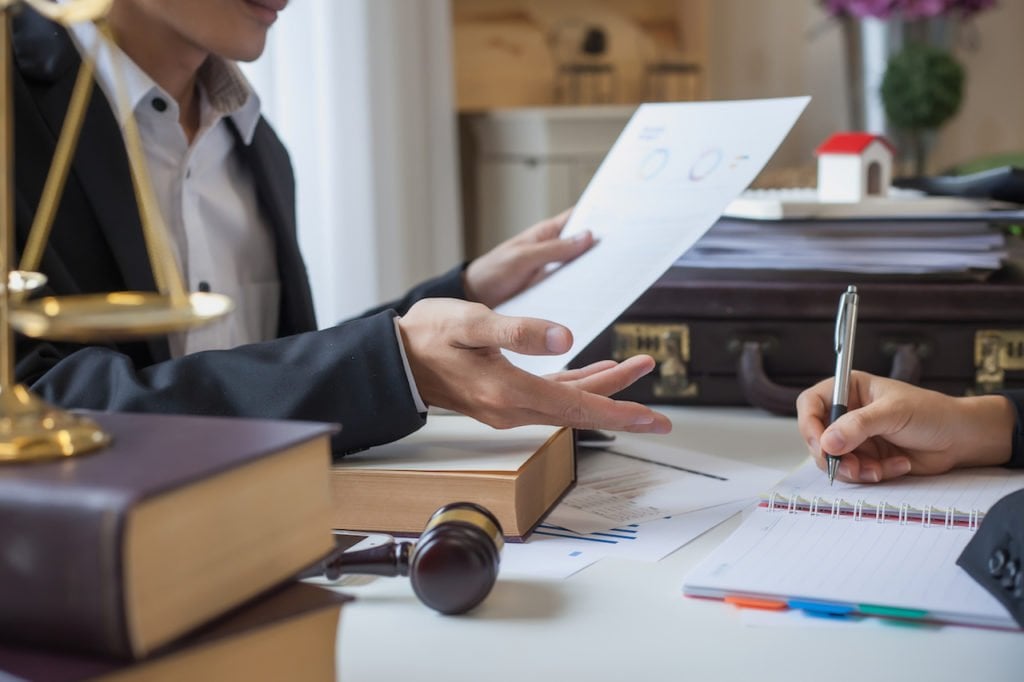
x: 555, y: 553
x: 666, y: 180
x: 636, y: 480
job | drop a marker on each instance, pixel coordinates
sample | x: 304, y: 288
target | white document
x: 554, y: 552
x: 635, y: 480
x: 546, y: 558
x: 666, y: 180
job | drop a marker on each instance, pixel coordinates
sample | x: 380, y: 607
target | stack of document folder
x: 803, y: 202
x: 946, y: 246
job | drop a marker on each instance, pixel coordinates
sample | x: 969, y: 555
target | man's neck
x: 170, y: 60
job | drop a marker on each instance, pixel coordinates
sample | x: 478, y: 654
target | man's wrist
x: 417, y: 399
x: 987, y: 431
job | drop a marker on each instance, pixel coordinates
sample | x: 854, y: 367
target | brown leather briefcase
x: 756, y: 341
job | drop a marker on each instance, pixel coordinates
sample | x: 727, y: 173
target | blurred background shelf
x: 527, y: 53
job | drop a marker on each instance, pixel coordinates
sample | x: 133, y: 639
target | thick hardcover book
x: 518, y: 474
x: 290, y: 634
x: 179, y: 520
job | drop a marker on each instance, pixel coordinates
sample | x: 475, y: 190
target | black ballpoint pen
x: 846, y: 325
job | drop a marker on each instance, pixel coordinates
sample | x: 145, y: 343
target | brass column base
x: 33, y: 430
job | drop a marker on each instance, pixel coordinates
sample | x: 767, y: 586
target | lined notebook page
x: 782, y: 555
x: 963, y: 490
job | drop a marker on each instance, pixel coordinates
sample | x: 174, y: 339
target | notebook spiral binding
x: 883, y: 511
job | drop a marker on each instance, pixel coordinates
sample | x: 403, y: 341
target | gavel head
x: 454, y: 564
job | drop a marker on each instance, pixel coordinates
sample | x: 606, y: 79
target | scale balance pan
x: 23, y: 281
x: 121, y: 315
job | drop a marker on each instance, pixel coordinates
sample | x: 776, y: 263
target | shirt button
x: 160, y: 104
x: 188, y: 173
x: 204, y: 287
x: 996, y: 563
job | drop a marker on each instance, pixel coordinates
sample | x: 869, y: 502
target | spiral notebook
x: 883, y: 550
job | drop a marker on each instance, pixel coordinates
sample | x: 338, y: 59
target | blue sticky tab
x: 820, y: 608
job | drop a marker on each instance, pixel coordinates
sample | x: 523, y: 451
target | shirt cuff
x: 1016, y: 399
x: 417, y: 399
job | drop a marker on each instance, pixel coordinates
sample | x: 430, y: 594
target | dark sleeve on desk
x: 1016, y: 398
x: 351, y: 374
x: 448, y: 285
x: 995, y: 555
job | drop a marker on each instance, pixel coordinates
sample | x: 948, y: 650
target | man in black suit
x: 225, y: 186
x: 893, y: 429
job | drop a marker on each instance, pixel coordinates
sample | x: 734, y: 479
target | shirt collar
x: 230, y: 94
x: 224, y: 86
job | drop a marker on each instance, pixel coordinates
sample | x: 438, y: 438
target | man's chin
x: 249, y: 51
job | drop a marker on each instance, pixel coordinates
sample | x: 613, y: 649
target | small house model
x: 853, y: 167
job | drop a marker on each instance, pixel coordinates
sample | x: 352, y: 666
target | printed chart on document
x: 636, y: 500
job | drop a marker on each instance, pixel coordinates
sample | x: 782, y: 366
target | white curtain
x: 361, y: 92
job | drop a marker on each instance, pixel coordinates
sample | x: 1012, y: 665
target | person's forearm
x: 987, y: 427
x: 351, y: 374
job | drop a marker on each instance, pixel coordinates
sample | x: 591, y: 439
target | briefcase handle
x: 760, y: 391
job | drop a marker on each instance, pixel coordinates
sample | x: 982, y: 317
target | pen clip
x: 841, y: 322
x: 846, y: 303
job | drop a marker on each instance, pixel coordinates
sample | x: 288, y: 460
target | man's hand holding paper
x: 559, y: 284
x: 666, y: 180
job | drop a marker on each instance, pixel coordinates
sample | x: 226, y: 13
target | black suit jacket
x: 351, y: 373
x: 995, y: 555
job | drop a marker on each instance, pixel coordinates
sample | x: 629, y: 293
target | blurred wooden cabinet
x: 545, y: 86
x: 531, y: 163
x: 513, y: 53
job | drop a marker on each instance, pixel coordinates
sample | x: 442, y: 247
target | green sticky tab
x: 891, y: 612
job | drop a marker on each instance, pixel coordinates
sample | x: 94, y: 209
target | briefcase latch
x: 668, y: 344
x: 995, y: 352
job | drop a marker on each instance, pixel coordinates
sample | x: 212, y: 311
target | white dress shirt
x: 207, y: 197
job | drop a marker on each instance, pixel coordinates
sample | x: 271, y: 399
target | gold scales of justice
x: 30, y: 428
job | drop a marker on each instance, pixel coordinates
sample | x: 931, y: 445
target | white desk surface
x: 626, y: 620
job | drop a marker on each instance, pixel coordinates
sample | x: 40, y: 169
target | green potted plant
x: 904, y: 80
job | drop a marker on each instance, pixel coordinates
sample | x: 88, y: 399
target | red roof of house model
x: 850, y: 143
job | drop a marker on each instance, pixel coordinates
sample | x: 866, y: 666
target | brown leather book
x: 518, y: 474
x: 179, y: 520
x: 290, y: 634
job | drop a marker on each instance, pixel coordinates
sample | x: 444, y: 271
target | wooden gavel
x: 452, y: 566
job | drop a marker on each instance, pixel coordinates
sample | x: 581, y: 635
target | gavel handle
x: 388, y: 560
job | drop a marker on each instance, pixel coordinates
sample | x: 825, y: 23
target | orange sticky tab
x: 754, y: 603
